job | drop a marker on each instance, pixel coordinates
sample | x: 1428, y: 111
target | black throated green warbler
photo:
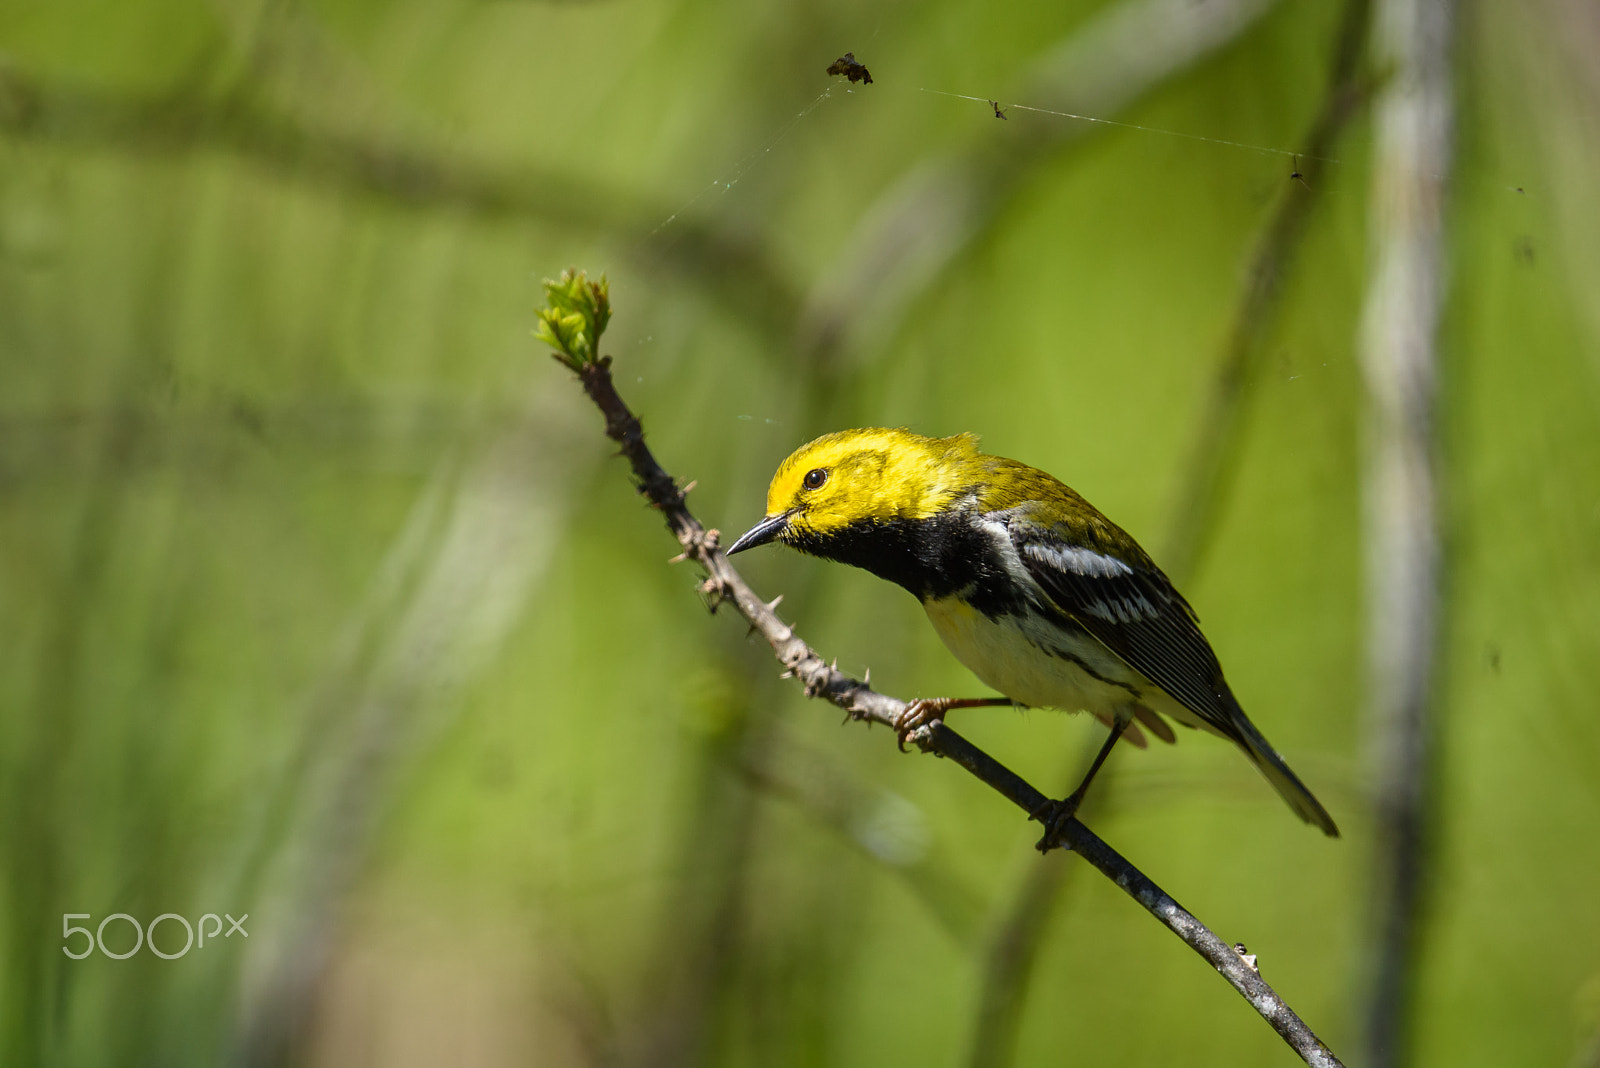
x: 1035, y: 591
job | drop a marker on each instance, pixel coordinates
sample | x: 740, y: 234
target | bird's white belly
x: 1037, y: 664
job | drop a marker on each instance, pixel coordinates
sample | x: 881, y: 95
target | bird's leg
x: 1055, y: 813
x: 925, y: 710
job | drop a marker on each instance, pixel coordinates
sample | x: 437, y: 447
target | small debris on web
x: 999, y: 112
x: 1296, y: 176
x: 847, y: 65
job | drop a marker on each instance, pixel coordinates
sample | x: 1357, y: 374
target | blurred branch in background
x: 881, y: 824
x: 571, y: 325
x: 1588, y: 1054
x: 1570, y: 31
x: 703, y: 949
x: 1399, y: 341
x: 1018, y: 930
x: 248, y: 127
x: 448, y: 595
x: 38, y: 795
x: 704, y: 914
x: 1207, y: 477
x: 917, y: 229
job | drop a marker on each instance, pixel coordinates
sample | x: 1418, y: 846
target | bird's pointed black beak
x: 766, y: 530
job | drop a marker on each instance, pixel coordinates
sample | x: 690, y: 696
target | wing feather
x: 1132, y: 609
x: 1103, y: 581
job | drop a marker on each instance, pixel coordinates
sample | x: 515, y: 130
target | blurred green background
x: 322, y: 600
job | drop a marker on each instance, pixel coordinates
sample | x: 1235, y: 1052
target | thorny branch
x: 723, y: 584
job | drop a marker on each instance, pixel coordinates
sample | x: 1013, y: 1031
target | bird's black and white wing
x: 1133, y: 610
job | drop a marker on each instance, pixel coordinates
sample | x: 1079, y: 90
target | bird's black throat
x: 932, y: 558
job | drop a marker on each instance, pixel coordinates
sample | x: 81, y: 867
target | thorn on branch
x: 714, y: 591
x: 772, y: 605
x: 702, y: 542
x: 1248, y: 957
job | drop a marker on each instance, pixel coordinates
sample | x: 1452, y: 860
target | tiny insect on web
x: 847, y: 66
x: 1246, y: 146
x: 1296, y: 174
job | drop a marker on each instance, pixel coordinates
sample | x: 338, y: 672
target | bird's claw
x: 918, y: 714
x: 1055, y: 816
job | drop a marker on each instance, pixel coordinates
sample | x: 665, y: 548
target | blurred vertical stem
x: 697, y: 947
x: 1018, y: 933
x: 1398, y: 342
x: 453, y: 586
x: 38, y: 1004
x: 1207, y: 479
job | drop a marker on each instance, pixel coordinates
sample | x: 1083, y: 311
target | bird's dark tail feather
x: 1288, y: 785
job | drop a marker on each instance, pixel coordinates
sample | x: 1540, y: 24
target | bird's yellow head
x: 856, y: 478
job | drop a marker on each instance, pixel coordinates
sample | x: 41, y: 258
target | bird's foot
x: 920, y: 713
x: 926, y: 710
x: 1055, y: 815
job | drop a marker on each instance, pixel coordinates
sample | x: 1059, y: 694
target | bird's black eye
x: 815, y: 478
